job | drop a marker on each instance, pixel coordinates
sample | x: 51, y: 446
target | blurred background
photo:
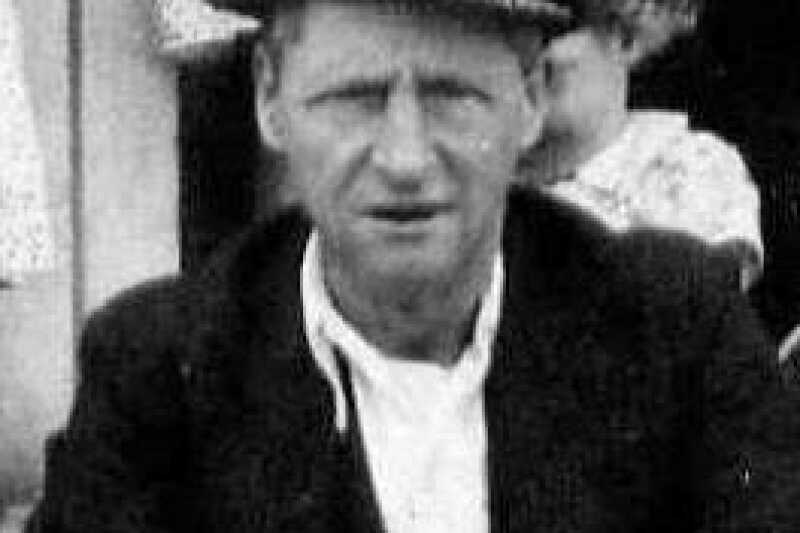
x: 150, y: 160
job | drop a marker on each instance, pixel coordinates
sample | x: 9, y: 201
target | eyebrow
x: 423, y: 83
x: 452, y: 84
x: 353, y: 87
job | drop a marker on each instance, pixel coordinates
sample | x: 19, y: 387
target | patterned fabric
x: 661, y: 174
x: 25, y: 236
x: 189, y: 29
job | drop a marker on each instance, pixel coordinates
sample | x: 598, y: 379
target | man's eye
x: 447, y: 90
x: 367, y: 97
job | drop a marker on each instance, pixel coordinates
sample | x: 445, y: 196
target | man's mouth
x: 407, y: 213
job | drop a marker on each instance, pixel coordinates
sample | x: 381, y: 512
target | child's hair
x: 653, y: 23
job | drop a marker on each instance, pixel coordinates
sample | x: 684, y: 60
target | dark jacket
x: 630, y: 391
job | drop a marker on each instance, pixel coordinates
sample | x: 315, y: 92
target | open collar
x: 326, y: 327
x: 288, y: 404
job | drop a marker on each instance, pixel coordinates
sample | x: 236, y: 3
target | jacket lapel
x: 278, y: 464
x: 275, y: 461
x: 535, y: 421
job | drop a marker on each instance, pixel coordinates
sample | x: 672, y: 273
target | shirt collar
x: 326, y: 327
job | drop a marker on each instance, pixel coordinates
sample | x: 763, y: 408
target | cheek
x: 500, y: 145
x: 317, y: 165
x: 479, y: 146
x: 494, y: 135
x: 308, y: 183
x: 492, y: 160
x: 493, y: 154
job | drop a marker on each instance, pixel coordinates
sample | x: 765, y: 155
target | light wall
x: 130, y: 185
x: 36, y: 370
x: 113, y: 195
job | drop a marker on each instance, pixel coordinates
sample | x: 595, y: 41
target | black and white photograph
x: 399, y: 266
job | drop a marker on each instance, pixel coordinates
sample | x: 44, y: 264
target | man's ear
x: 270, y: 114
x: 534, y: 105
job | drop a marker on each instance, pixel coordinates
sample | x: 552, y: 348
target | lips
x: 405, y: 213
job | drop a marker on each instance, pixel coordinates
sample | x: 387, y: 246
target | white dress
x: 25, y: 232
x: 659, y: 173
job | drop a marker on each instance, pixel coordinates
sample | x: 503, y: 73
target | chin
x: 412, y: 267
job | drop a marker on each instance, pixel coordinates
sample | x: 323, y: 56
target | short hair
x: 281, y: 26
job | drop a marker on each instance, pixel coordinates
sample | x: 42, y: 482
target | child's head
x: 587, y: 69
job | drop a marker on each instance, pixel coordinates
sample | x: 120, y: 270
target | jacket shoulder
x: 560, y: 235
x: 660, y: 282
x: 168, y: 325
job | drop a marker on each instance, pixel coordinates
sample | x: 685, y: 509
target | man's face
x: 402, y: 135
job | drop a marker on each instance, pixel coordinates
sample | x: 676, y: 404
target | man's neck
x: 424, y: 322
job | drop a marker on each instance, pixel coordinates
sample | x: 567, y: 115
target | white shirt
x: 423, y: 426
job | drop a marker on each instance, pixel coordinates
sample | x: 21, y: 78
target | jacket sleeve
x: 748, y: 458
x: 115, y: 466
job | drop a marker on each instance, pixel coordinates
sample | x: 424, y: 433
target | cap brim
x: 555, y: 10
x: 211, y: 25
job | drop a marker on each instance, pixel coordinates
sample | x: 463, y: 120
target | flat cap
x: 544, y: 9
x: 197, y: 29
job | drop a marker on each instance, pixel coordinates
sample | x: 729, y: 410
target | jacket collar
x: 325, y: 483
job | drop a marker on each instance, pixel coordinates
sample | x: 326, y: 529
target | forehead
x: 341, y: 41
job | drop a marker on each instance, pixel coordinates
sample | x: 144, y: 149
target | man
x: 425, y: 355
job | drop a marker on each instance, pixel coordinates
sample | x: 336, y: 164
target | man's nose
x: 403, y: 151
